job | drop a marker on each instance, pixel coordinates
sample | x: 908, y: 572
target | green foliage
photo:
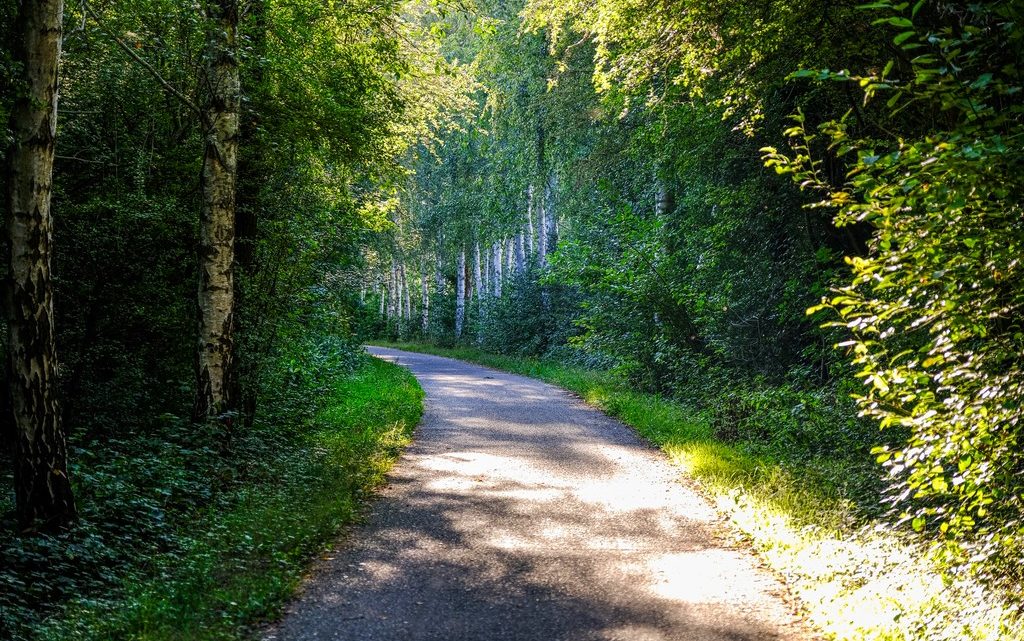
x: 178, y: 542
x: 933, y: 311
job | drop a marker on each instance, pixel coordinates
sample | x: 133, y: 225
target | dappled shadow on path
x: 520, y: 515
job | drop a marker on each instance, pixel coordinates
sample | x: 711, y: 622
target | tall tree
x: 42, y: 487
x: 217, y: 229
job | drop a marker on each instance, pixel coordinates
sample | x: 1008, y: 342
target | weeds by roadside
x: 185, y: 563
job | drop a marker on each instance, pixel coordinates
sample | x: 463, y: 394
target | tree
x: 217, y: 229
x: 42, y: 485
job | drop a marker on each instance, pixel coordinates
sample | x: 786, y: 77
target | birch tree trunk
x: 487, y: 269
x: 42, y: 489
x: 497, y: 269
x: 217, y: 216
x: 542, y: 237
x: 392, y: 293
x: 424, y: 296
x: 520, y: 253
x: 529, y: 220
x: 408, y: 298
x: 460, y: 293
x: 551, y: 220
x: 438, y: 272
x: 383, y: 298
x: 510, y: 256
x: 481, y: 287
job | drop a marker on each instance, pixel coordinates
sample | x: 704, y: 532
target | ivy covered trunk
x: 217, y: 228
x: 42, y: 488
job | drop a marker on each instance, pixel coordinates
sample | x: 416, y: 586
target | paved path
x: 521, y: 514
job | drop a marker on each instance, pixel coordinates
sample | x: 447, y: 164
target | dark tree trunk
x: 42, y: 487
x: 253, y: 340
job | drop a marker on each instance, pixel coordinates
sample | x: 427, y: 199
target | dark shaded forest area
x: 799, y: 221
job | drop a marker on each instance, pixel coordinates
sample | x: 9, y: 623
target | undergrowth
x: 178, y: 542
x: 809, y: 507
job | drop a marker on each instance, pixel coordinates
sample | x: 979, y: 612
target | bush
x: 934, y: 311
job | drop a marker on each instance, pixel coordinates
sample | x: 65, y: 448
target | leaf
x: 895, y: 21
x: 903, y: 37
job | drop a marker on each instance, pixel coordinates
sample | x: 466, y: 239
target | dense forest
x: 800, y: 220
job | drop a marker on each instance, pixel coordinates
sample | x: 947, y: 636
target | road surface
x: 521, y: 514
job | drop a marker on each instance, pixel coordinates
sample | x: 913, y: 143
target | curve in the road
x: 521, y: 514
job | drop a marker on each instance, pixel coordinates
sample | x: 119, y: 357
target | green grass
x: 241, y: 565
x: 856, y: 577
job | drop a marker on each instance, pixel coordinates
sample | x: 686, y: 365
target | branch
x: 185, y: 100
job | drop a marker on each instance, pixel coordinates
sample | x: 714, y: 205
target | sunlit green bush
x: 934, y: 312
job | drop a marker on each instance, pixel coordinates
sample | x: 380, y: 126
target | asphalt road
x: 521, y: 514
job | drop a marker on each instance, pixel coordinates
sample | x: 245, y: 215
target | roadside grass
x: 855, y: 577
x: 233, y: 568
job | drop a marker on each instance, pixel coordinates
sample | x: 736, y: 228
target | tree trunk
x: 439, y: 271
x: 551, y: 229
x: 217, y: 228
x: 497, y: 270
x: 392, y: 293
x: 252, y: 330
x: 42, y: 488
x: 424, y: 296
x: 510, y: 256
x: 460, y: 293
x: 481, y: 287
x: 408, y: 297
x: 520, y: 253
x: 529, y: 219
x: 665, y: 201
x: 542, y: 236
x: 383, y: 298
x: 487, y: 270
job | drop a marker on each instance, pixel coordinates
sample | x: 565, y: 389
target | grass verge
x: 230, y: 568
x: 857, y: 578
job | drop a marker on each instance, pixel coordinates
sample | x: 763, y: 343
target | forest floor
x: 520, y: 513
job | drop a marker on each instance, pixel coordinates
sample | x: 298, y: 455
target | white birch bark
x: 496, y: 271
x: 542, y: 237
x: 487, y: 270
x: 529, y: 220
x: 460, y: 293
x: 392, y: 292
x: 216, y: 294
x: 408, y: 297
x: 481, y: 287
x: 44, y: 499
x: 550, y: 226
x: 438, y: 272
x: 520, y: 253
x: 424, y: 295
x: 510, y: 256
